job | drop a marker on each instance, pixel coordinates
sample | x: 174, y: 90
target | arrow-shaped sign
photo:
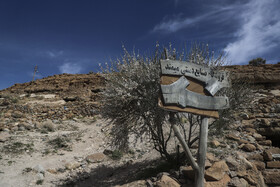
x: 176, y: 93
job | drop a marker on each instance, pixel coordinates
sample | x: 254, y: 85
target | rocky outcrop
x: 267, y: 75
x: 82, y: 85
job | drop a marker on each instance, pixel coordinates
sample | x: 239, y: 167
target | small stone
x: 97, y: 157
x: 17, y: 114
x: 267, y: 155
x: 265, y: 142
x: 232, y: 163
x: 273, y: 164
x: 39, y: 169
x: 244, y: 116
x: 107, y: 152
x: 245, y: 162
x: 249, y: 147
x: 26, y: 126
x: 257, y: 157
x: 251, y: 130
x: 274, y: 150
x: 21, y: 128
x: 211, y: 157
x: 52, y: 170
x: 38, y: 125
x: 251, y: 139
x: 257, y: 136
x: 233, y: 137
x: 40, y: 176
x: 241, y: 141
x: 49, y: 125
x: 4, y: 137
x: 72, y: 165
x: 265, y: 122
x: 215, y: 143
x: 260, y: 165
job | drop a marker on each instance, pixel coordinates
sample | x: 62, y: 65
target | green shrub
x: 116, y: 155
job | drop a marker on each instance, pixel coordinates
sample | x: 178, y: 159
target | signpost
x: 189, y: 87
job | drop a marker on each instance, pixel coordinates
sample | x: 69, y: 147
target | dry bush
x: 130, y: 99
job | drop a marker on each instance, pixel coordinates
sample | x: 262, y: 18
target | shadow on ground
x: 110, y: 176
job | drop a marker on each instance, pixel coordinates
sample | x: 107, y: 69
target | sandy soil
x: 84, y: 138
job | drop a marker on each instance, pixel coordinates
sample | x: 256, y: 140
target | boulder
x: 232, y: 163
x: 238, y: 182
x: 139, y: 183
x: 221, y: 183
x: 267, y: 155
x: 188, y: 172
x: 167, y: 181
x: 217, y: 171
x: 273, y: 164
x: 272, y: 177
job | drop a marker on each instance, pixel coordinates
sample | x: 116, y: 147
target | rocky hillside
x: 267, y: 75
x: 51, y: 135
x: 82, y: 85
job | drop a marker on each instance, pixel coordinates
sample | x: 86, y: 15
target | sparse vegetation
x: 60, y: 143
x: 26, y: 170
x: 116, y: 155
x: 39, y: 182
x: 18, y: 148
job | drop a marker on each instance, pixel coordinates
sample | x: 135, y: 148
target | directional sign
x: 215, y: 80
x: 190, y: 87
x: 176, y: 93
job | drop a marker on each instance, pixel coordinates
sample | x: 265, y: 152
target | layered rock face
x: 267, y: 75
x: 64, y: 84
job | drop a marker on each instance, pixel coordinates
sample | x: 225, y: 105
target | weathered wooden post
x: 189, y: 87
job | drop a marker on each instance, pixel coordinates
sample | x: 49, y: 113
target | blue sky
x: 71, y: 36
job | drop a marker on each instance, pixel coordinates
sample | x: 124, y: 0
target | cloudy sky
x: 71, y: 36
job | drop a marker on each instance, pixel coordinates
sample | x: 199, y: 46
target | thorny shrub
x: 130, y: 99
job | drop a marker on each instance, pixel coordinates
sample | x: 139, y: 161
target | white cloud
x: 259, y: 33
x: 71, y: 68
x: 54, y: 54
x: 177, y: 23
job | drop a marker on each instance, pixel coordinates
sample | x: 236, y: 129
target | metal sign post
x: 191, y: 88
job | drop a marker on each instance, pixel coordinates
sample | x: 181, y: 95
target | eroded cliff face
x: 82, y: 85
x: 267, y: 75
